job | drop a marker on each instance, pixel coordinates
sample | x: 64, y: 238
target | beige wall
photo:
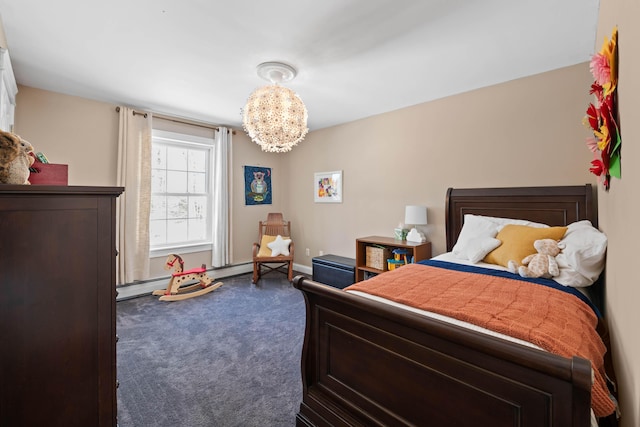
x: 619, y: 209
x: 245, y: 218
x: 79, y: 132
x: 409, y: 156
x: 84, y: 134
x: 524, y: 132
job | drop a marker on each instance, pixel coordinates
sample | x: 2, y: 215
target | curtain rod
x: 134, y: 112
x: 180, y: 120
x: 189, y: 122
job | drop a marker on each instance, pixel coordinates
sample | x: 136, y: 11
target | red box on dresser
x: 49, y: 174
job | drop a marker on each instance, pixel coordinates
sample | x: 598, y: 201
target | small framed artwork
x: 257, y: 185
x: 327, y: 187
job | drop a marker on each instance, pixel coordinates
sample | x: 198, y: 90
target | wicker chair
x: 274, y: 226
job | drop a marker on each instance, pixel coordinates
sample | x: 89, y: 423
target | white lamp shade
x: 415, y: 215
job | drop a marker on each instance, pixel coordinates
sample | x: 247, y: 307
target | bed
x: 369, y: 363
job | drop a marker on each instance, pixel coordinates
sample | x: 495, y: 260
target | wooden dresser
x: 57, y: 305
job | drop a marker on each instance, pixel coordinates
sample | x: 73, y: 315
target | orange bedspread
x: 553, y: 320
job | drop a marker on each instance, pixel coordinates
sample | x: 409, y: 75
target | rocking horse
x: 176, y: 291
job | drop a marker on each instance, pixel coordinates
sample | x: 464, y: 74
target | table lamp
x: 415, y: 215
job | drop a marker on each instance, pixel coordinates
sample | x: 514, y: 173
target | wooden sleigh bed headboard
x: 555, y: 206
x: 371, y: 364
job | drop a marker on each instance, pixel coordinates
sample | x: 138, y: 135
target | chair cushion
x: 265, y: 248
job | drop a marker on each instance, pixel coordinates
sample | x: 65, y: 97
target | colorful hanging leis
x: 601, y: 118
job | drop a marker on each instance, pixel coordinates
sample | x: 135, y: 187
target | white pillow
x: 476, y: 239
x: 504, y: 221
x: 279, y: 246
x: 476, y: 249
x: 583, y: 258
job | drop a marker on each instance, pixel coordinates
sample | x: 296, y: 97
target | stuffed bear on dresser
x: 16, y: 156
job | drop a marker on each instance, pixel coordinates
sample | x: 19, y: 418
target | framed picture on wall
x: 257, y: 185
x: 327, y: 187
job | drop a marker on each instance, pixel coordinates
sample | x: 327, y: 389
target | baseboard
x: 303, y: 268
x: 139, y: 289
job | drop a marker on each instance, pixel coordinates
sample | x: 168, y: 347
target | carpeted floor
x: 227, y: 358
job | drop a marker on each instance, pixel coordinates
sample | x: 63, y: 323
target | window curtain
x: 133, y: 206
x: 221, y: 199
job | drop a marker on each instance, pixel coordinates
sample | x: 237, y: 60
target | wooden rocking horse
x: 176, y: 291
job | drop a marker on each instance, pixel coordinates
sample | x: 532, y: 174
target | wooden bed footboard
x: 366, y: 363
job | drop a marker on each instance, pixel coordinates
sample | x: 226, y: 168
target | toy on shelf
x: 177, y: 289
x: 399, y: 258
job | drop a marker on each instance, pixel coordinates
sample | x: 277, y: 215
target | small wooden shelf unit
x: 418, y: 251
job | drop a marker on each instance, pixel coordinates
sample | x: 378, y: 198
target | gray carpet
x: 227, y: 358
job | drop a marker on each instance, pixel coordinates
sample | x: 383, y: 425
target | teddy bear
x: 16, y: 157
x: 541, y: 264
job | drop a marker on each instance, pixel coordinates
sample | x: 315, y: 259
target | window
x: 180, y: 215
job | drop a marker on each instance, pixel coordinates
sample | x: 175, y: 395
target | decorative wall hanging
x: 602, y: 115
x: 327, y: 187
x: 257, y: 185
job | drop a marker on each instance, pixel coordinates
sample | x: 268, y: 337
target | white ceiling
x: 355, y: 58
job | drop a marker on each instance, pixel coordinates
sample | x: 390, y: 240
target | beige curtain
x: 221, y: 200
x: 133, y: 206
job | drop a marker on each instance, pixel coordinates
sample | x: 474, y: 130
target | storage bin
x: 376, y: 257
x: 334, y: 270
x: 49, y: 174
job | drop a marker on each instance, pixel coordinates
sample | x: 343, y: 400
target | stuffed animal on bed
x: 541, y: 264
x: 16, y: 156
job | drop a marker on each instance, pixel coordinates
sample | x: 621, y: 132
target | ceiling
x: 355, y: 58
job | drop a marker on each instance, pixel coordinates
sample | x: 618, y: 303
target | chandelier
x: 275, y: 117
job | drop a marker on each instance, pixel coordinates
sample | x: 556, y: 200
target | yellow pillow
x: 264, y: 249
x: 517, y: 242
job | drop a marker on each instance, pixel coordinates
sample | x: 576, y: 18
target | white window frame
x: 186, y: 140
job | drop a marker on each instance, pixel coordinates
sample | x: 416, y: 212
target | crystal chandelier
x: 275, y: 117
